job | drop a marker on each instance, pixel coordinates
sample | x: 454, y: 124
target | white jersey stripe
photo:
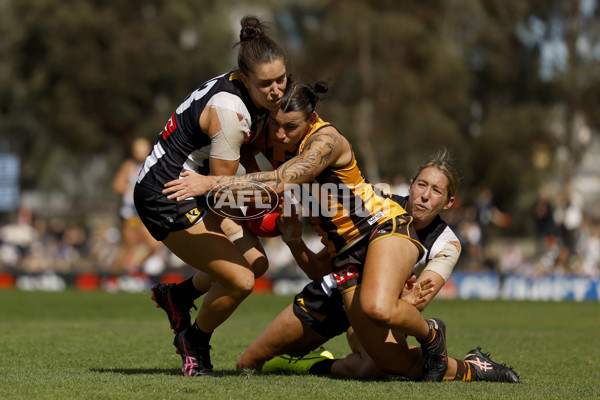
x: 157, y: 153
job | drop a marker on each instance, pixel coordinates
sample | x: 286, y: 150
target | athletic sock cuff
x: 322, y: 367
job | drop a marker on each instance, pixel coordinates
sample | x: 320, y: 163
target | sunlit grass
x: 118, y: 346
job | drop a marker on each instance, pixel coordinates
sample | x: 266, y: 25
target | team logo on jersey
x: 193, y: 214
x: 344, y: 274
x: 169, y: 127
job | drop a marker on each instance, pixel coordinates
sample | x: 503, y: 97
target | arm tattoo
x: 318, y: 154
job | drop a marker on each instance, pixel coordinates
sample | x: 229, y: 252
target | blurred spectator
x: 71, y: 249
x: 104, y: 244
x: 589, y: 248
x: 400, y: 185
x: 543, y: 216
x: 488, y: 214
x: 137, y: 245
x: 470, y: 236
x: 511, y: 260
x: 568, y: 217
x: 17, y: 238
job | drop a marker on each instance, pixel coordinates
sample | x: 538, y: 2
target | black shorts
x: 347, y: 267
x: 325, y: 314
x: 162, y: 216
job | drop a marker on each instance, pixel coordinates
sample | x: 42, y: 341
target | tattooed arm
x: 323, y: 149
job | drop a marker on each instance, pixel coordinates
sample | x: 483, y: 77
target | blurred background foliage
x: 511, y: 88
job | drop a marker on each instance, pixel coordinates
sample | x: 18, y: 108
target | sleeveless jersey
x: 433, y: 237
x: 182, y: 145
x: 342, y: 205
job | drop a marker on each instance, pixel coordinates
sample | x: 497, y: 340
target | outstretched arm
x: 322, y: 150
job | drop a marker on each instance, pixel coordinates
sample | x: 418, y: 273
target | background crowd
x: 566, y: 241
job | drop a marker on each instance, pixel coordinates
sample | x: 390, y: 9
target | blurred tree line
x: 507, y: 86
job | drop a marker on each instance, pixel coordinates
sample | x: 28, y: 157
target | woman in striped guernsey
x: 370, y: 238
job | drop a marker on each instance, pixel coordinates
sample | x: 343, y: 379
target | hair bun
x: 321, y: 87
x: 252, y: 29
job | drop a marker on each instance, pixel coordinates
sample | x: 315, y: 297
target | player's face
x: 287, y: 129
x: 428, y: 195
x: 266, y: 84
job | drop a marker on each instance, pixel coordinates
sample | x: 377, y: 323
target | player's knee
x: 377, y: 312
x: 252, y: 359
x: 243, y: 285
x: 245, y: 362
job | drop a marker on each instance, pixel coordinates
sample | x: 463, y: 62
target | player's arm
x: 227, y: 131
x: 439, y: 270
x: 322, y: 150
x: 314, y: 265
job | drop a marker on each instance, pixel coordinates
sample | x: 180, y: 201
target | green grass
x: 74, y: 345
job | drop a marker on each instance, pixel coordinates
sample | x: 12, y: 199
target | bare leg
x: 360, y: 365
x: 206, y: 248
x: 388, y: 266
x: 246, y: 243
x: 285, y: 335
x: 387, y: 349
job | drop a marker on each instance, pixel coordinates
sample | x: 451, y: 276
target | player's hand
x: 415, y: 293
x: 289, y: 225
x: 190, y: 184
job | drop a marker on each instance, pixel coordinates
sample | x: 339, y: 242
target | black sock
x: 186, y: 291
x: 322, y: 367
x: 431, y: 338
x: 198, y: 337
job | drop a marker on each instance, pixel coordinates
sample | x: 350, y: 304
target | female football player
x: 370, y: 239
x: 204, y: 135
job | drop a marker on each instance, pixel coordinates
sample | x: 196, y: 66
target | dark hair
x: 256, y: 47
x: 442, y: 162
x: 302, y: 97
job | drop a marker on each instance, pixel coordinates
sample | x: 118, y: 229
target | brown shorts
x: 321, y: 311
x: 347, y: 267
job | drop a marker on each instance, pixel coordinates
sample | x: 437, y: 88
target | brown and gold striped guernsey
x: 353, y: 204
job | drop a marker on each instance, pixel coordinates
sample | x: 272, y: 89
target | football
x: 262, y: 222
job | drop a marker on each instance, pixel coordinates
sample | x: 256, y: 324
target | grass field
x: 76, y: 345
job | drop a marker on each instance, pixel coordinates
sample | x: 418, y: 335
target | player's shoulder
x: 228, y: 100
x: 446, y: 239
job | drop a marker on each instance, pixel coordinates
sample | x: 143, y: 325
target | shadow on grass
x: 137, y: 371
x: 156, y: 371
x: 243, y: 372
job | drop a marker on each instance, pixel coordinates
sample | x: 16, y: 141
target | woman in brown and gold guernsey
x: 370, y: 238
